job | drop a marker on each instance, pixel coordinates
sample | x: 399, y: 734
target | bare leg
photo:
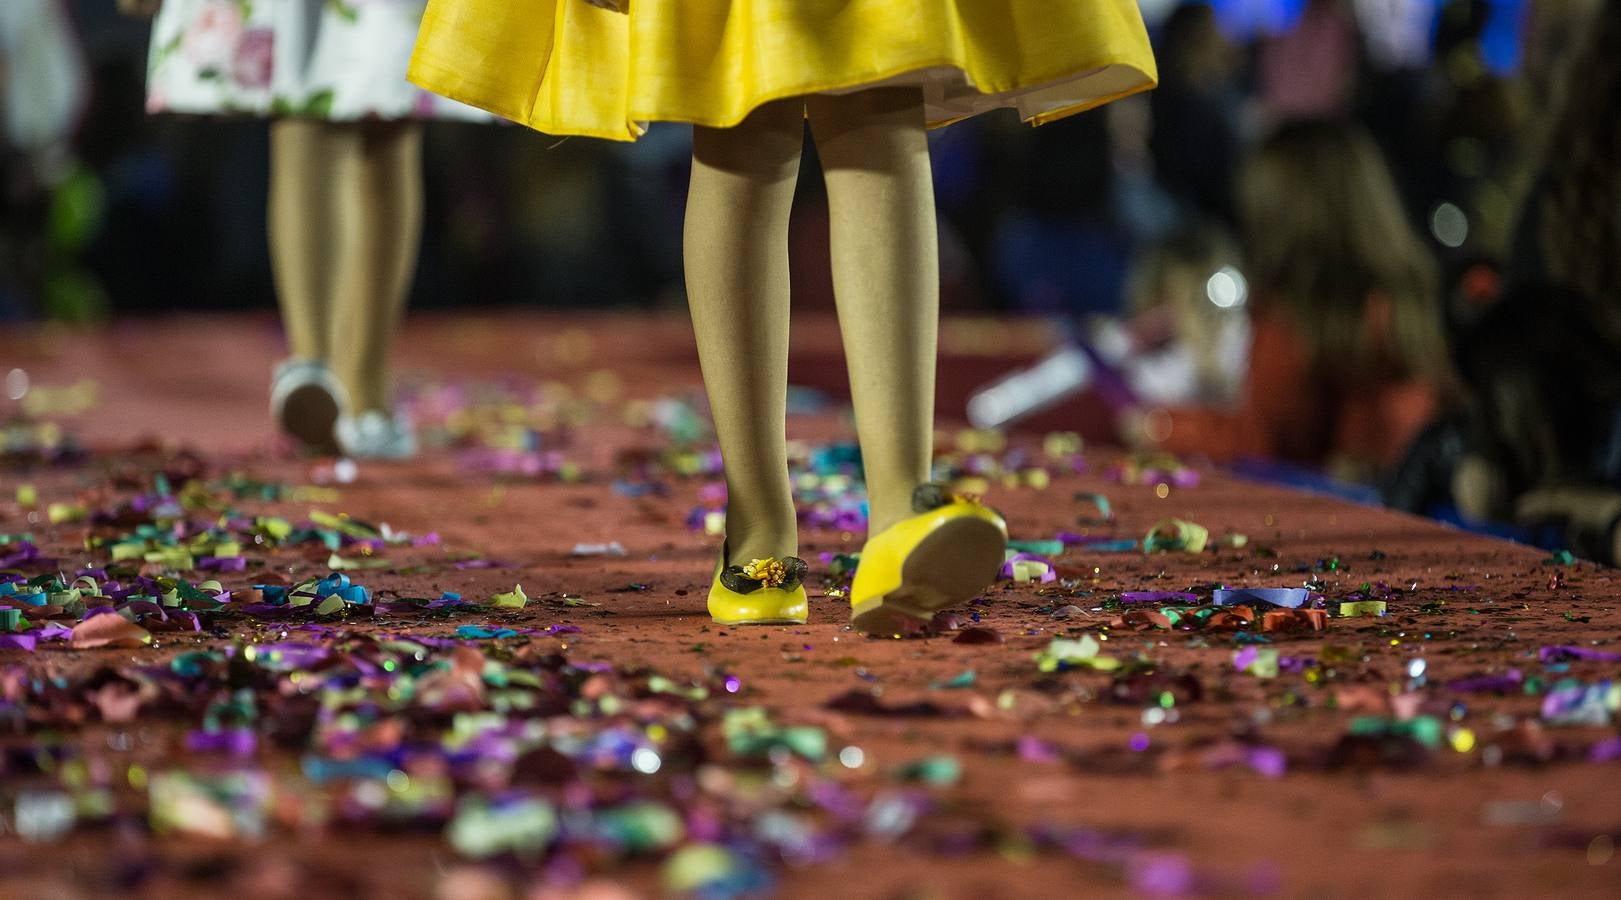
x: 886, y: 279
x: 379, y: 191
x: 736, y: 249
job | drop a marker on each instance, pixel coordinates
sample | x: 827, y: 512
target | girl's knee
x: 895, y: 106
x: 767, y: 141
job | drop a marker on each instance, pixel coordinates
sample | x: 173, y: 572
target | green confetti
x: 1064, y: 653
x: 480, y: 830
x: 513, y: 599
x: 1039, y: 548
x: 964, y: 680
x: 938, y: 771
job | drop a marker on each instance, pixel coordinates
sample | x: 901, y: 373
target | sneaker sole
x: 948, y: 568
x: 310, y: 414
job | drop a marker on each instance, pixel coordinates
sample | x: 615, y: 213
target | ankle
x: 882, y: 517
x: 747, y: 542
x: 365, y: 392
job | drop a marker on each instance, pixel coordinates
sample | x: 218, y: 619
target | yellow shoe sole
x: 926, y: 564
x: 767, y: 606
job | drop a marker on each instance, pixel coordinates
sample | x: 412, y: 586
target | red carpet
x: 1164, y: 773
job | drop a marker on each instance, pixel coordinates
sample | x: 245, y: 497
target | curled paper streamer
x: 1098, y: 544
x: 1289, y: 598
x: 513, y: 599
x: 1044, y: 548
x: 1362, y: 608
x: 1028, y: 567
x: 1032, y: 570
x: 1294, y: 620
x: 1169, y: 535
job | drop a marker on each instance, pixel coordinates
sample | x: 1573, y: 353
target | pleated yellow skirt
x: 569, y: 68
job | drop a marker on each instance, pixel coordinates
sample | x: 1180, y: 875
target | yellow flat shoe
x: 934, y: 560
x: 764, y: 592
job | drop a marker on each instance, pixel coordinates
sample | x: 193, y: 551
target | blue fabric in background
x: 1314, y: 482
x: 1501, y: 42
x: 1301, y: 478
x: 1060, y: 268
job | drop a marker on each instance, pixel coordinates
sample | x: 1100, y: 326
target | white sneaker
x: 376, y: 435
x: 306, y: 400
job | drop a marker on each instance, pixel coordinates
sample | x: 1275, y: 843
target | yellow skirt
x: 567, y: 67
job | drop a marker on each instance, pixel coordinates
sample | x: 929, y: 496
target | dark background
x: 1039, y: 220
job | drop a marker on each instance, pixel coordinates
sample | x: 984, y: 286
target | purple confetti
x: 235, y: 742
x: 1565, y: 652
x: 1160, y: 874
x: 1268, y: 761
x: 1607, y: 750
x: 1046, y: 577
x: 53, y: 631
x: 1507, y: 682
x: 1034, y: 749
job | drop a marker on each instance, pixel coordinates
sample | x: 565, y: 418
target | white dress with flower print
x: 342, y: 60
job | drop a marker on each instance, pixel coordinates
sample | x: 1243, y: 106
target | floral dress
x: 341, y: 60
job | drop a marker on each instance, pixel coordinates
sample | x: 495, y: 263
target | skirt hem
x: 438, y: 78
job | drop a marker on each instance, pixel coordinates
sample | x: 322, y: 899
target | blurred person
x: 1545, y: 439
x: 1196, y: 113
x: 1396, y: 33
x: 1541, y: 444
x: 345, y: 215
x: 1187, y: 334
x: 43, y: 82
x: 1059, y: 248
x: 1555, y: 34
x: 1312, y: 70
x: 1569, y: 231
x: 1398, y: 40
x: 1472, y: 138
x: 1183, y: 339
x: 867, y: 77
x: 1347, y: 361
x: 45, y: 197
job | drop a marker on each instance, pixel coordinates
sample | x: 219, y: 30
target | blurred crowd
x: 1363, y: 242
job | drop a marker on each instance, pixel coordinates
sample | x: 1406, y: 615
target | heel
x: 930, y: 562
